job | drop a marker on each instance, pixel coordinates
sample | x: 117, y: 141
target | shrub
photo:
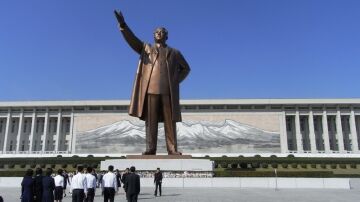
x: 224, y: 165
x: 264, y: 165
x: 234, y: 165
x: 353, y: 165
x: 323, y: 166
x: 59, y: 156
x: 11, y: 165
x: 291, y: 156
x: 303, y: 165
x: 243, y: 165
x: 274, y: 165
x: 241, y: 156
x: 285, y: 165
x: 294, y: 165
x: 43, y: 165
x: 22, y: 165
x: 273, y: 156
x: 74, y: 165
x: 224, y: 156
x: 64, y: 165
x: 2, y: 166
x: 255, y: 165
x: 333, y: 166
x: 313, y: 165
x: 342, y: 166
x: 90, y: 156
x: 257, y: 156
x: 75, y: 156
x: 207, y: 156
x: 121, y: 157
x: 53, y: 166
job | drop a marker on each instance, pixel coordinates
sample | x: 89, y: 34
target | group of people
x: 43, y: 188
x: 50, y: 187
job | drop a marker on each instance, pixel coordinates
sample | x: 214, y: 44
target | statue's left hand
x: 119, y: 16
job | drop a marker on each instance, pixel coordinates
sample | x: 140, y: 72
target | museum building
x: 233, y: 126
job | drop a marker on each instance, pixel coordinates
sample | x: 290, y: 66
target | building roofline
x: 184, y: 102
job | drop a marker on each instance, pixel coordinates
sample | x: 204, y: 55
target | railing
x: 35, y: 152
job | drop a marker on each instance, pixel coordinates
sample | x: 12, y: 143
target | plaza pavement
x: 224, y: 195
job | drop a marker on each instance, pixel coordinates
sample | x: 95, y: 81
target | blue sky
x: 72, y: 50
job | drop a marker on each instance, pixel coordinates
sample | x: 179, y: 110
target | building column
x: 58, y: 131
x: 33, y: 121
x: 72, y: 140
x: 325, y: 132
x: 18, y: 137
x: 339, y: 132
x: 354, y: 137
x: 46, y: 128
x: 312, y: 132
x: 7, y: 129
x: 283, y: 133
x: 299, y: 142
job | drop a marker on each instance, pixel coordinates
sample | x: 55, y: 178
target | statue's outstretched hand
x: 119, y: 16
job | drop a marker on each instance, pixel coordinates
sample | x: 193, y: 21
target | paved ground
x: 224, y: 195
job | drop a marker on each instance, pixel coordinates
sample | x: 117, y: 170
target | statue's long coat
x: 177, y: 67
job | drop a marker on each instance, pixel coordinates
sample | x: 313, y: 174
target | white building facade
x: 301, y: 126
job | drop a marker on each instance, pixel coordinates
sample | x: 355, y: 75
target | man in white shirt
x: 91, y: 184
x: 59, y: 186
x: 78, y: 186
x: 109, y: 185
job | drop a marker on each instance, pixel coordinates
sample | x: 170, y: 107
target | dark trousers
x: 90, y: 195
x: 156, y: 105
x: 78, y: 195
x: 132, y: 198
x: 157, y: 184
x: 109, y: 194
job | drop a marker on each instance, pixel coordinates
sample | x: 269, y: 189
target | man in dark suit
x: 38, y: 185
x: 123, y: 179
x: 48, y: 184
x: 157, y: 181
x: 132, y: 185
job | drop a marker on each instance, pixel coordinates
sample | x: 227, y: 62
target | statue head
x: 160, y: 35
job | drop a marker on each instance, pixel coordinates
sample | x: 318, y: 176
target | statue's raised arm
x: 134, y: 42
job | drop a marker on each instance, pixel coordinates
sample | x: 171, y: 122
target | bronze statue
x: 155, y: 95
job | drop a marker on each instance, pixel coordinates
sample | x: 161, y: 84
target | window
x: 219, y: 107
x: 232, y: 106
x: 67, y: 129
x: 108, y: 108
x: 1, y: 126
x: 11, y: 146
x: 37, y: 126
x: 55, y: 126
x: 190, y: 107
x: 13, y: 126
x: 94, y: 108
x: 25, y: 126
x: 122, y: 108
x: 204, y: 106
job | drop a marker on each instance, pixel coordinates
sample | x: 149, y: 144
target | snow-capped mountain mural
x: 193, y: 137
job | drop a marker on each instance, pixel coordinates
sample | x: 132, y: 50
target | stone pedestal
x: 164, y: 162
x: 158, y: 157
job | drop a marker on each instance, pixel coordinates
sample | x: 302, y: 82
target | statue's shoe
x: 148, y: 153
x: 175, y: 153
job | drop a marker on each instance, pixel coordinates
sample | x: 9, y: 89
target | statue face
x: 160, y: 35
